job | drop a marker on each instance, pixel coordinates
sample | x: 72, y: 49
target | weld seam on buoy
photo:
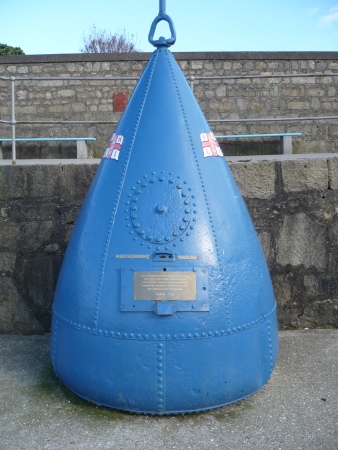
x: 54, y: 345
x: 165, y: 336
x: 203, y: 188
x: 160, y: 369
x: 118, y: 194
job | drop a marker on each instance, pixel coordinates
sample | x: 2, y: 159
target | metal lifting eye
x: 162, y: 16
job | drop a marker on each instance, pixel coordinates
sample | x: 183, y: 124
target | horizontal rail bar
x: 235, y: 136
x: 286, y: 75
x: 275, y: 119
x: 71, y: 78
x: 107, y: 122
x: 189, y: 77
x: 65, y: 122
x: 46, y: 139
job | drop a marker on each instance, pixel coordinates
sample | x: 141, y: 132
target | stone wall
x: 292, y: 201
x: 252, y: 98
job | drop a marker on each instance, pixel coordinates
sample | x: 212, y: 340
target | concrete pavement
x: 296, y: 410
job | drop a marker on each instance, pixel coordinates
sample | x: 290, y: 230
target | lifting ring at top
x: 162, y: 16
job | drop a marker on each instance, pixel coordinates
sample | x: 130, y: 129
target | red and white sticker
x: 114, y: 147
x: 210, y: 145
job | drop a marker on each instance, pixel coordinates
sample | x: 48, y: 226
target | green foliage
x: 8, y: 50
x: 103, y: 41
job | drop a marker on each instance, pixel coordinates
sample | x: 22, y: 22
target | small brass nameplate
x: 165, y: 286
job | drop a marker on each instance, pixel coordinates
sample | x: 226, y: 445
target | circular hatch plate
x: 160, y: 208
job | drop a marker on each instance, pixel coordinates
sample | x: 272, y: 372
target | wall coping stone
x: 144, y: 56
x: 229, y: 159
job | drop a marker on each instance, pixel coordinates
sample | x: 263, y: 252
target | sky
x: 58, y: 27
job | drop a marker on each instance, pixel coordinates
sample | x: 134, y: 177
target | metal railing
x: 13, y: 122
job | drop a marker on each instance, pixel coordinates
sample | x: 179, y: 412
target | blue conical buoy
x: 164, y: 302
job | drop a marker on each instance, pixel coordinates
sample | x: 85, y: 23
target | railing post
x: 191, y: 79
x: 13, y: 121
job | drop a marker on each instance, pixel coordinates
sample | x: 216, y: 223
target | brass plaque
x: 165, y: 286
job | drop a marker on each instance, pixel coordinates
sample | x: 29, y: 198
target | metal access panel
x: 120, y: 101
x: 165, y: 291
